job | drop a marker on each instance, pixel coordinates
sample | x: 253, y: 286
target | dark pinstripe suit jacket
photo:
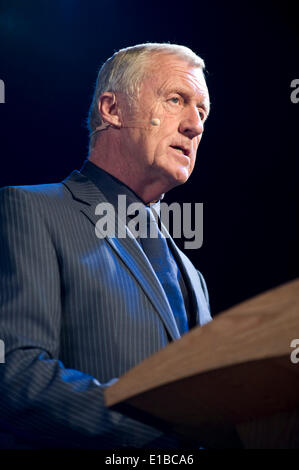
x: 76, y: 311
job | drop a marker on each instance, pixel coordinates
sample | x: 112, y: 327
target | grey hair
x: 124, y: 71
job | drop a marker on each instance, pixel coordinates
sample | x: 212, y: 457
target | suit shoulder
x: 39, y: 193
x: 52, y: 189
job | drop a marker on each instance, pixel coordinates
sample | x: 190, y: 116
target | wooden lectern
x: 234, y: 380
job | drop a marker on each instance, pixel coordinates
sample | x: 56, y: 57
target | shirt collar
x: 112, y: 187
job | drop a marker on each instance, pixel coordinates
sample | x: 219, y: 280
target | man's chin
x: 177, y: 178
x: 181, y: 175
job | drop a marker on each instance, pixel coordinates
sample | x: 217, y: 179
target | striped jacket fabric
x: 76, y: 312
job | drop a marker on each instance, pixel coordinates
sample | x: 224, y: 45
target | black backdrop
x: 247, y: 170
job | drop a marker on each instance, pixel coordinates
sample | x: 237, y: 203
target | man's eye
x: 175, y: 100
x: 202, y: 114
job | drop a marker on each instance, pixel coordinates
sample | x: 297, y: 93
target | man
x: 78, y: 309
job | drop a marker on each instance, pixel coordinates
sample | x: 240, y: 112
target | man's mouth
x: 183, y: 150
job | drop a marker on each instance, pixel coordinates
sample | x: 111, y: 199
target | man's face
x: 176, y: 94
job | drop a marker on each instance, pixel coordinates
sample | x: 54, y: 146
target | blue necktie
x: 156, y: 249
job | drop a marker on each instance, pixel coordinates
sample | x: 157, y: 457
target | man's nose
x: 191, y: 124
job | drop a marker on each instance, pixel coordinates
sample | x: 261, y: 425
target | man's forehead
x: 173, y: 74
x: 170, y: 68
x: 189, y: 78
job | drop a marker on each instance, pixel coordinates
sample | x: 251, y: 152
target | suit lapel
x: 89, y: 196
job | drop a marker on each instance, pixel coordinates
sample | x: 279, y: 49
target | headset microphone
x: 131, y: 124
x: 155, y: 122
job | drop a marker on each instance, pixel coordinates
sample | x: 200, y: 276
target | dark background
x: 247, y: 167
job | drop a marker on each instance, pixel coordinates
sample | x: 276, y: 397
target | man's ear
x: 109, y: 109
